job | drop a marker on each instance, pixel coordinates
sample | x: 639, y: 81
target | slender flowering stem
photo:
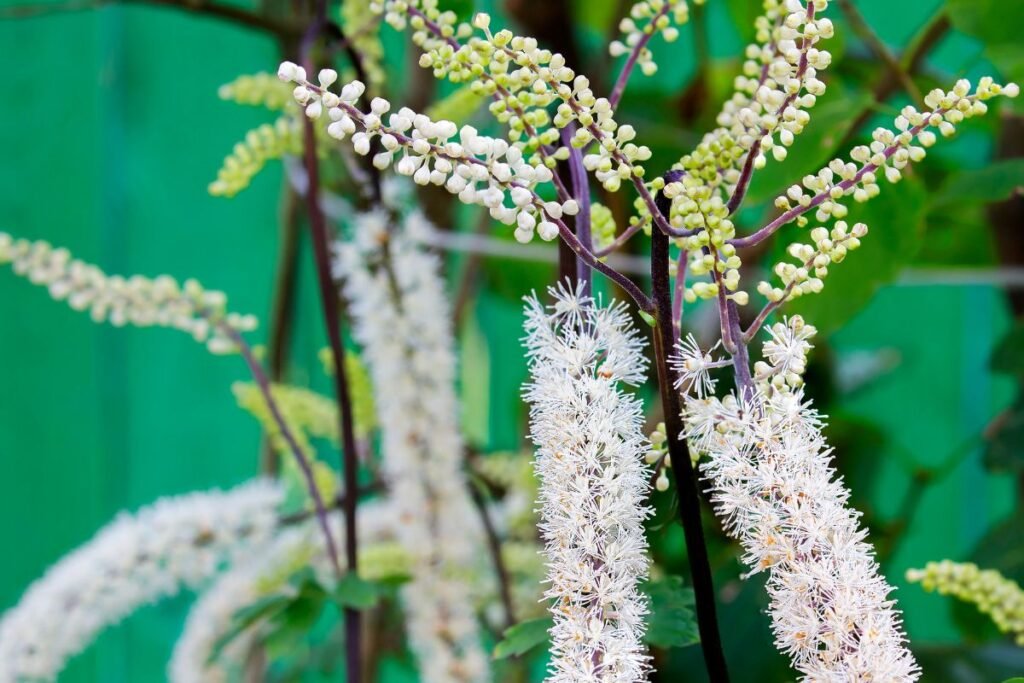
x: 627, y: 68
x: 797, y: 211
x: 620, y: 240
x: 677, y: 297
x: 263, y: 382
x: 350, y: 465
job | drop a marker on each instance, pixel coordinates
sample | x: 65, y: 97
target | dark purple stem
x: 682, y: 466
x: 581, y: 192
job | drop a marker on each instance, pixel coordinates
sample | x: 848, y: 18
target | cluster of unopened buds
x: 645, y: 19
x: 524, y: 80
x: 478, y: 169
x: 813, y: 261
x: 890, y: 150
x: 768, y: 109
x: 134, y: 300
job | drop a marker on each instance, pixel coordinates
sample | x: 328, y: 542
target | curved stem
x: 634, y: 55
x: 581, y: 192
x: 263, y: 382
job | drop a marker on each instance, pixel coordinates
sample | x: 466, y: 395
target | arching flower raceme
x: 400, y: 316
x: 590, y: 450
x: 137, y: 559
x: 777, y: 493
x: 195, y: 658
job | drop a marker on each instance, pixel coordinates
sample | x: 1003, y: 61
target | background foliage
x: 111, y: 130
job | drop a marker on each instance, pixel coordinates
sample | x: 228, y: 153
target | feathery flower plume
x: 590, y: 451
x: 135, y: 560
x: 400, y: 317
x: 776, y: 492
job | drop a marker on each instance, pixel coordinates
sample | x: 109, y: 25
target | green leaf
x: 1015, y: 679
x: 457, y: 107
x: 523, y: 637
x: 999, y: 180
x: 1004, y: 451
x: 671, y: 622
x: 356, y: 593
x: 248, y: 616
x: 896, y: 222
x: 1008, y: 357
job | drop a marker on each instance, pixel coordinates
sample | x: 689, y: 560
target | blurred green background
x: 111, y: 129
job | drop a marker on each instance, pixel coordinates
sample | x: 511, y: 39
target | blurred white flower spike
x: 175, y: 543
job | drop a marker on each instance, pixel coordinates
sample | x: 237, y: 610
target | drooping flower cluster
x: 136, y: 560
x: 776, y: 492
x: 201, y: 656
x: 995, y: 595
x: 134, y: 300
x: 479, y: 169
x: 646, y: 18
x: 590, y: 451
x: 400, y: 317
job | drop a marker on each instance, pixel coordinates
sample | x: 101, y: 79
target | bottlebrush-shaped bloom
x: 400, y: 316
x: 135, y: 560
x: 776, y: 492
x: 590, y: 451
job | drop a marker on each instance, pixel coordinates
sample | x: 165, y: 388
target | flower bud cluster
x: 778, y: 85
x: 134, y: 300
x: 478, y: 169
x: 524, y: 80
x: 806, y: 276
x: 268, y: 141
x: 258, y: 90
x: 785, y: 356
x: 890, y: 151
x: 647, y: 18
x: 723, y: 264
x: 602, y: 225
x: 992, y: 593
x: 362, y: 29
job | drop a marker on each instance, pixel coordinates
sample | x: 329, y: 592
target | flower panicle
x: 777, y: 493
x: 134, y: 300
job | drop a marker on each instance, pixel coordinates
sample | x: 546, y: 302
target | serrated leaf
x: 997, y: 181
x: 671, y: 622
x: 356, y: 593
x: 523, y: 637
